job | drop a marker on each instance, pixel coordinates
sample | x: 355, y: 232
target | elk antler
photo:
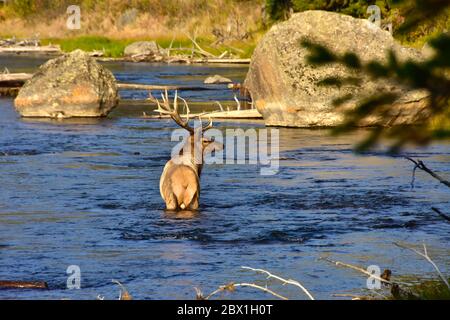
x: 208, y: 126
x: 165, y: 108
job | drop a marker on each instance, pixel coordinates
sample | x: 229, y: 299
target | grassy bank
x: 218, y: 25
x: 115, y: 47
x: 112, y: 48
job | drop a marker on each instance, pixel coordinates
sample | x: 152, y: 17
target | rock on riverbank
x: 145, y: 51
x: 284, y: 87
x: 73, y: 85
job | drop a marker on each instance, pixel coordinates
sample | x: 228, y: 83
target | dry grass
x: 135, y: 19
x: 112, y: 24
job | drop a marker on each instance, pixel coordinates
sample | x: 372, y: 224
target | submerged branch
x: 439, y: 212
x: 350, y: 266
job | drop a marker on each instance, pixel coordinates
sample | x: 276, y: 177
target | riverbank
x: 229, y: 27
x: 115, y: 48
x: 110, y: 26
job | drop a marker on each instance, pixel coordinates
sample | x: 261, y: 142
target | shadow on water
x: 86, y: 192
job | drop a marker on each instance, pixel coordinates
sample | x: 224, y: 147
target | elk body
x: 180, y: 181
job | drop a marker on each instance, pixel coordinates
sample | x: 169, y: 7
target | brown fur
x: 180, y: 181
x: 180, y: 188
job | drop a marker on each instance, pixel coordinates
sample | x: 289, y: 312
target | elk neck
x: 192, y: 155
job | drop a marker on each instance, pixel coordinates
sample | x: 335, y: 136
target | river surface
x: 86, y: 193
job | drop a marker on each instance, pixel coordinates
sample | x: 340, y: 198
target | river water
x: 86, y: 193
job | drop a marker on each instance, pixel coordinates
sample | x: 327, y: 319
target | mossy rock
x: 73, y: 85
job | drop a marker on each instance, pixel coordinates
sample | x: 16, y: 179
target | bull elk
x: 180, y: 181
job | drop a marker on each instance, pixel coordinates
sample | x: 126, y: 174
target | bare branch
x: 426, y: 257
x: 199, y: 294
x: 284, y: 281
x: 231, y: 287
x: 350, y: 266
x: 419, y: 164
x: 124, y: 294
x: 238, y: 103
x: 200, y: 49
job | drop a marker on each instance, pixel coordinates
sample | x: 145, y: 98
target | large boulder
x: 73, y: 85
x: 284, y: 86
x: 142, y: 48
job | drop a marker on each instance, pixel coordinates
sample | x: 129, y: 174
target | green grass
x: 115, y: 47
x: 111, y: 47
x: 431, y: 289
x: 240, y: 49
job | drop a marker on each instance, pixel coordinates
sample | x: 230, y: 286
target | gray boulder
x: 216, y: 79
x: 73, y: 85
x: 284, y: 87
x: 142, y: 48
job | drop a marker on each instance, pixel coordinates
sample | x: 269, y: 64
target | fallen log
x: 31, y: 49
x: 14, y: 79
x: 5, y: 284
x: 234, y: 114
x: 137, y: 86
x: 225, y: 61
x: 10, y: 83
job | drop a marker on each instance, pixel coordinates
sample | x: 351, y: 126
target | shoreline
x: 53, y: 53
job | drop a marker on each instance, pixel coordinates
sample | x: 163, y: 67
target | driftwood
x: 137, y: 86
x: 217, y: 60
x: 31, y: 49
x: 20, y: 43
x: 188, y: 60
x: 361, y: 270
x: 282, y: 280
x: 14, y: 79
x: 231, y: 287
x: 98, y: 55
x: 396, y: 291
x: 235, y: 114
x: 23, y: 285
x: 200, y: 49
x: 10, y: 83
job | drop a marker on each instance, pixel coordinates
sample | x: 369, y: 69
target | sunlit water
x: 86, y: 193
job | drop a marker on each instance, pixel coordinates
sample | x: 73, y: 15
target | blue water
x: 86, y: 193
